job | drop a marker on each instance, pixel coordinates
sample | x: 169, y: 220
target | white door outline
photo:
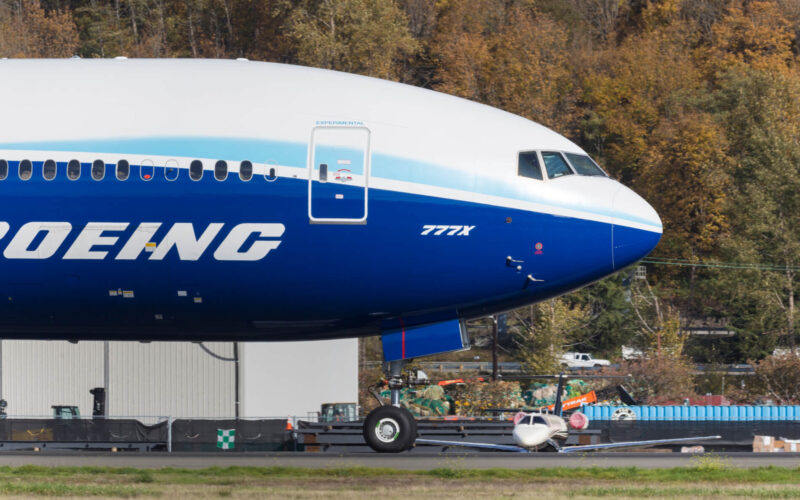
x: 367, y: 168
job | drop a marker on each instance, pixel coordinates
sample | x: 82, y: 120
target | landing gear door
x: 338, y: 183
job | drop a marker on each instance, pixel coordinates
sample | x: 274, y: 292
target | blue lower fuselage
x: 324, y: 280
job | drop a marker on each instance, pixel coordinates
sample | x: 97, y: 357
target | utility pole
x: 106, y: 370
x: 236, y: 378
x: 494, y: 348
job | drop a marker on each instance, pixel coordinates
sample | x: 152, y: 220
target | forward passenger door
x: 338, y: 175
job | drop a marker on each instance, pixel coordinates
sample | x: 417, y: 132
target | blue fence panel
x: 700, y: 413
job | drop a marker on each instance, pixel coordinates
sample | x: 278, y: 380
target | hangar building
x: 179, y: 379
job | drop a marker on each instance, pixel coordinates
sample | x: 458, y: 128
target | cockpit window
x: 556, y: 165
x: 584, y: 165
x: 539, y: 420
x: 529, y: 165
x: 526, y: 420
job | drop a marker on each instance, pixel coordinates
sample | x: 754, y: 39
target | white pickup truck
x: 581, y: 360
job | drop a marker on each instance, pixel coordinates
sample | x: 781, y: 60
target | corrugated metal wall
x: 174, y: 379
x: 156, y: 379
x: 699, y: 413
x: 179, y: 379
x: 38, y: 374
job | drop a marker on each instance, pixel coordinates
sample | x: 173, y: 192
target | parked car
x: 629, y: 353
x: 582, y: 360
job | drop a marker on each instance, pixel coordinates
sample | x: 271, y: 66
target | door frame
x: 366, y: 175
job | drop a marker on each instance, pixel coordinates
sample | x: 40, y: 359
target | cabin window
x: 271, y: 173
x: 171, y: 170
x: 584, y: 165
x: 98, y: 170
x: 3, y: 170
x: 25, y: 170
x: 323, y: 172
x: 123, y: 170
x: 556, y: 165
x: 245, y: 170
x: 49, y: 170
x: 147, y: 170
x: 196, y: 170
x: 73, y: 170
x: 529, y: 165
x: 221, y: 170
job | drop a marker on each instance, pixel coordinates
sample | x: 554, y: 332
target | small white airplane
x: 539, y: 430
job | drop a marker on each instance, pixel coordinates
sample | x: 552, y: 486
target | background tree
x: 778, y: 378
x: 753, y: 34
x: 26, y: 30
x: 659, y: 380
x: 544, y: 331
x: 762, y: 113
x: 358, y: 36
x: 509, y: 55
x: 610, y: 323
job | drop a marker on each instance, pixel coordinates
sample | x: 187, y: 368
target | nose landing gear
x: 391, y: 429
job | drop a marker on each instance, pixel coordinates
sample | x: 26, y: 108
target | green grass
x: 60, y: 489
x: 706, y: 478
x: 690, y: 492
x: 702, y: 471
x: 769, y: 474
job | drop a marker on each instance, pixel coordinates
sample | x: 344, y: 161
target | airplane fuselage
x: 227, y: 200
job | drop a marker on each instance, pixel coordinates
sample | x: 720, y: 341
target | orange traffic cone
x: 289, y: 426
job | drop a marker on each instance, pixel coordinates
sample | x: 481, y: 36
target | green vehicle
x: 338, y: 412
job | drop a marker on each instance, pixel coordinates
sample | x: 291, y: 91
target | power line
x: 718, y: 265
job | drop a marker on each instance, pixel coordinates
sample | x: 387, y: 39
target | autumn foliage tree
x: 776, y: 378
x: 542, y: 332
x: 762, y: 113
x: 358, y: 36
x: 754, y: 34
x: 509, y: 55
x: 27, y: 30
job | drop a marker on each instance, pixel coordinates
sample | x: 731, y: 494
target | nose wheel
x: 389, y: 429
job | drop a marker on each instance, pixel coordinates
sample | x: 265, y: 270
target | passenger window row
x: 123, y: 170
x: 556, y: 165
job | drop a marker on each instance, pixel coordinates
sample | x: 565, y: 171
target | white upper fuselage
x: 452, y: 148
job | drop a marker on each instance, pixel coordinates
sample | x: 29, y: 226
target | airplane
x: 538, y: 430
x: 543, y: 430
x: 198, y: 200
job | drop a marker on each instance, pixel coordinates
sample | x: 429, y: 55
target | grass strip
x: 58, y: 489
x: 768, y: 474
x: 673, y: 492
x: 707, y: 471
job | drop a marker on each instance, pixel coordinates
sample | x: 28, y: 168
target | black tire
x: 389, y: 429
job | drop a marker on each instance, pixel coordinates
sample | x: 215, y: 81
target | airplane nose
x: 636, y: 230
x: 530, y: 436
